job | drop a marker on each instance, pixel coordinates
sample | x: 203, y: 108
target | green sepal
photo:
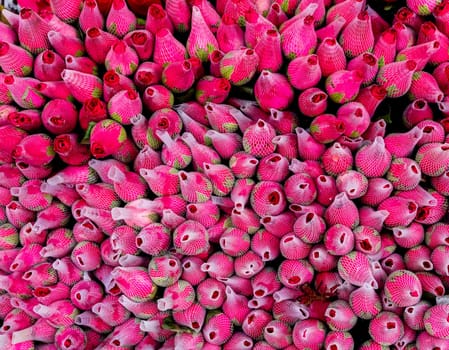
x: 86, y: 138
x: 170, y: 324
x: 337, y: 97
x: 227, y: 71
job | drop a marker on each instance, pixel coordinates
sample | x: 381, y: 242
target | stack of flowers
x: 234, y: 174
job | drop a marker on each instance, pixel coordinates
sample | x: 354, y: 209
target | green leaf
x: 170, y: 324
x: 86, y: 137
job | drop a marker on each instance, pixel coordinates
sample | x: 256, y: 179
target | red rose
x: 62, y: 144
x: 139, y: 38
x: 97, y: 150
x: 111, y: 78
x: 93, y: 110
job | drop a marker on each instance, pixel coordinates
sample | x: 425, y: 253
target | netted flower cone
x: 304, y: 72
x: 401, y: 211
x: 309, y: 334
x: 385, y: 47
x: 426, y: 156
x: 356, y: 269
x: 269, y: 51
x: 441, y: 14
x: 157, y: 19
x: 346, y: 9
x: 403, y: 288
x: 342, y: 211
x: 106, y: 138
x: 167, y: 48
x: 299, y: 38
x: 8, y: 33
x: 15, y: 60
x: 178, y: 76
x: 83, y: 86
x: 257, y: 139
x: 229, y: 34
x: 175, y: 153
x: 66, y: 12
x: 420, y: 53
x: 191, y: 238
x: 134, y: 282
x: 23, y: 90
x: 425, y: 86
x: 35, y: 150
x: 408, y: 17
x: 386, y: 328
x: 375, y: 149
x: 212, y: 89
x: 239, y: 66
x: 114, y: 82
x: 272, y: 90
x: 404, y: 174
x: 396, y: 77
x: 365, y: 302
x: 59, y: 116
x: 90, y: 16
x: 268, y: 198
x: 402, y: 144
x: 343, y: 86
x: 48, y: 66
x: 368, y: 64
x: 357, y: 36
x: 255, y: 26
x: 416, y: 112
x: 312, y: 102
x: 125, y: 105
x: 128, y: 185
x: 200, y: 153
x: 430, y: 32
x: 65, y: 44
x: 98, y: 43
x: 120, y: 20
x: 122, y: 58
x: 422, y: 7
x: 332, y: 29
x: 142, y: 41
x: 82, y: 64
x: 179, y: 13
x: 435, y: 321
x: 201, y: 41
x: 32, y: 31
